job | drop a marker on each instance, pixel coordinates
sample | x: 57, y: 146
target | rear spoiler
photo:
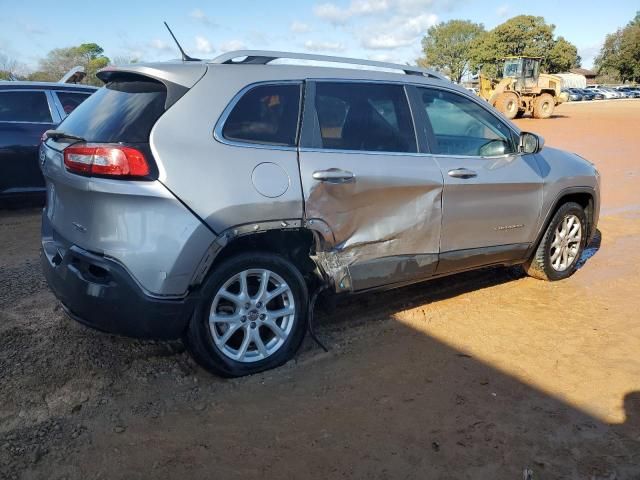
x: 177, y: 77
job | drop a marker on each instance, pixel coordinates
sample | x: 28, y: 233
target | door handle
x: 462, y: 173
x: 334, y: 175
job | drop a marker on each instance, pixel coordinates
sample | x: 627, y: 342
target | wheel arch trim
x: 321, y: 237
x: 557, y: 202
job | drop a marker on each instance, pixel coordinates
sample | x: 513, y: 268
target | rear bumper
x: 100, y: 293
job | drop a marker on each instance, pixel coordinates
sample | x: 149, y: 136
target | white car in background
x: 616, y: 94
x: 608, y: 94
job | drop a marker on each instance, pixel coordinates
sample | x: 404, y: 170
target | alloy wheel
x: 252, y: 315
x: 566, y: 243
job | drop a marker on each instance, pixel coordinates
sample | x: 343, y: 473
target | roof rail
x: 262, y: 57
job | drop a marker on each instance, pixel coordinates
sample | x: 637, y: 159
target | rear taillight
x: 106, y: 160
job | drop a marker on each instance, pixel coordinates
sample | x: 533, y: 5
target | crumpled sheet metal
x: 375, y: 217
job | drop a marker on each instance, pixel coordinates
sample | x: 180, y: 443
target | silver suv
x: 212, y: 200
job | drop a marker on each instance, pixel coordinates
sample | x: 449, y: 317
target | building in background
x: 590, y: 75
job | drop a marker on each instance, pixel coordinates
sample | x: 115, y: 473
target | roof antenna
x: 185, y: 57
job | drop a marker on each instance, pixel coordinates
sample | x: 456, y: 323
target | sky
x: 388, y: 30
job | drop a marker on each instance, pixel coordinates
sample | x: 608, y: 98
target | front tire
x: 251, y: 316
x: 543, y: 106
x: 561, y: 246
x: 507, y: 103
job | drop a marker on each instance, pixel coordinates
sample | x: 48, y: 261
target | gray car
x: 212, y: 201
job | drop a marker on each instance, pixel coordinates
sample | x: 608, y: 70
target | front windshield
x: 512, y: 68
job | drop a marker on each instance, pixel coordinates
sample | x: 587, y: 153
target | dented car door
x: 374, y: 198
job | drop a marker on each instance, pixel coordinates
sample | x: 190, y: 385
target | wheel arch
x: 289, y: 239
x: 549, y: 91
x: 583, y: 196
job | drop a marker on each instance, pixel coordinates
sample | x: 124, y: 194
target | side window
x: 461, y: 127
x: 364, y: 116
x: 70, y: 100
x: 266, y: 114
x: 528, y: 68
x: 27, y: 106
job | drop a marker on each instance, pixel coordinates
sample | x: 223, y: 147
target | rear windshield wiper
x: 59, y: 134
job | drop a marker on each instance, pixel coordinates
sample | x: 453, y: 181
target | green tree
x: 60, y: 60
x: 562, y: 57
x: 447, y: 46
x: 620, y: 53
x: 524, y: 35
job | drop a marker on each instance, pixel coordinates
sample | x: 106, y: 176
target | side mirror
x: 530, y: 143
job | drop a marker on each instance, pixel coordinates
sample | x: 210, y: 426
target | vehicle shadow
x: 429, y: 291
x: 552, y: 117
x: 434, y: 290
x: 590, y: 250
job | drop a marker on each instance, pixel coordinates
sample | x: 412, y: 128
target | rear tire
x: 561, y: 246
x: 543, y: 106
x: 507, y: 103
x: 240, y: 327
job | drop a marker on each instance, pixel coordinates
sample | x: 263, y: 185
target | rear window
x: 121, y: 111
x: 267, y: 114
x: 71, y: 100
x: 24, y: 106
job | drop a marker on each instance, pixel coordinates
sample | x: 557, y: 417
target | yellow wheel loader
x: 523, y: 89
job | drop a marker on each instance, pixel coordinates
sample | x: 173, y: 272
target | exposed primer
x: 335, y: 267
